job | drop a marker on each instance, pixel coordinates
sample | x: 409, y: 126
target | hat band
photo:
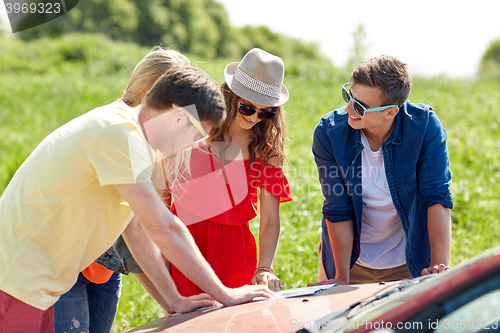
x: 256, y: 85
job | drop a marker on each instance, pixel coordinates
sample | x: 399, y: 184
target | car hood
x: 273, y: 315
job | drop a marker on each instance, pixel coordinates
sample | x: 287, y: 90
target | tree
x: 195, y: 26
x: 199, y: 27
x: 489, y: 67
x: 286, y: 47
x: 358, y: 53
x: 201, y: 33
x: 115, y: 18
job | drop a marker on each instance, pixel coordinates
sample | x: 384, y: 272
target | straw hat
x: 258, y: 78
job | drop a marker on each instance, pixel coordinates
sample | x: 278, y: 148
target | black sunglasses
x: 248, y: 111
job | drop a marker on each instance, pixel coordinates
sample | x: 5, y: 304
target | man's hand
x: 338, y: 282
x: 436, y: 269
x: 245, y: 294
x: 439, y: 226
x: 268, y: 279
x: 191, y: 303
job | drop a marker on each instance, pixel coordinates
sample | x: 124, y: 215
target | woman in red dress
x: 220, y: 196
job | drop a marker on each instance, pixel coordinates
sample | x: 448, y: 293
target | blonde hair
x: 148, y: 71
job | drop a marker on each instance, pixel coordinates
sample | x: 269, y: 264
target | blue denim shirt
x: 416, y: 167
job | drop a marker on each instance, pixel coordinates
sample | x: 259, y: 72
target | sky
x: 434, y: 37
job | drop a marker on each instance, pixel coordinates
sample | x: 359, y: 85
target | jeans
x: 119, y: 259
x: 88, y: 307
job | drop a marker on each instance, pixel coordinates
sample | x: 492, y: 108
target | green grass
x: 467, y: 111
x: 41, y: 90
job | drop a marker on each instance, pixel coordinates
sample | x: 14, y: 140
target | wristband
x: 264, y: 268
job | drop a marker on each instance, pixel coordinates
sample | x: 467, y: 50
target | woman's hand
x: 268, y: 279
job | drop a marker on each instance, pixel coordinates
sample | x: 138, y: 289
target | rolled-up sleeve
x: 433, y: 169
x: 338, y: 204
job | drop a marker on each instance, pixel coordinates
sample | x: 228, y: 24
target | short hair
x: 187, y: 85
x: 148, y: 70
x: 387, y: 73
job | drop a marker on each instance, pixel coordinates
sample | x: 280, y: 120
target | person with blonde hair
x: 77, y: 191
x: 247, y: 153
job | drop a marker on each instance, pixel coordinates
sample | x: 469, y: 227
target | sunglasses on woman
x: 357, y: 106
x: 248, y: 111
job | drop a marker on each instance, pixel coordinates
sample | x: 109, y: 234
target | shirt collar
x: 395, y: 137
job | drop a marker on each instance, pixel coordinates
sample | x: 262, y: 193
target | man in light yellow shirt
x: 76, y: 193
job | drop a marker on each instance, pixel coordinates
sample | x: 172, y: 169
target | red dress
x: 217, y: 204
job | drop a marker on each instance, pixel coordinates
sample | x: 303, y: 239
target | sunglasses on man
x: 357, y: 106
x: 203, y: 134
x: 248, y: 111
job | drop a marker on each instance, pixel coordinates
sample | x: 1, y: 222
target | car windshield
x: 483, y: 313
x: 474, y: 310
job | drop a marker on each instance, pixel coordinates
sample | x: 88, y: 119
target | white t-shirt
x: 382, y: 234
x: 61, y: 210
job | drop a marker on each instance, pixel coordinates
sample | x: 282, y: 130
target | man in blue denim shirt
x: 384, y: 171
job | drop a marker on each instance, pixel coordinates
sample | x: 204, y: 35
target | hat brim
x: 249, y: 94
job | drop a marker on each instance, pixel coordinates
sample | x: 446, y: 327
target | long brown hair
x: 269, y: 135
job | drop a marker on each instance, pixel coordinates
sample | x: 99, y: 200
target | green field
x: 46, y: 83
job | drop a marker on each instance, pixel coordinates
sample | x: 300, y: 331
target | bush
x: 98, y: 54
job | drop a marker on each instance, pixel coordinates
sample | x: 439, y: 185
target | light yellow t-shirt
x: 61, y: 211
